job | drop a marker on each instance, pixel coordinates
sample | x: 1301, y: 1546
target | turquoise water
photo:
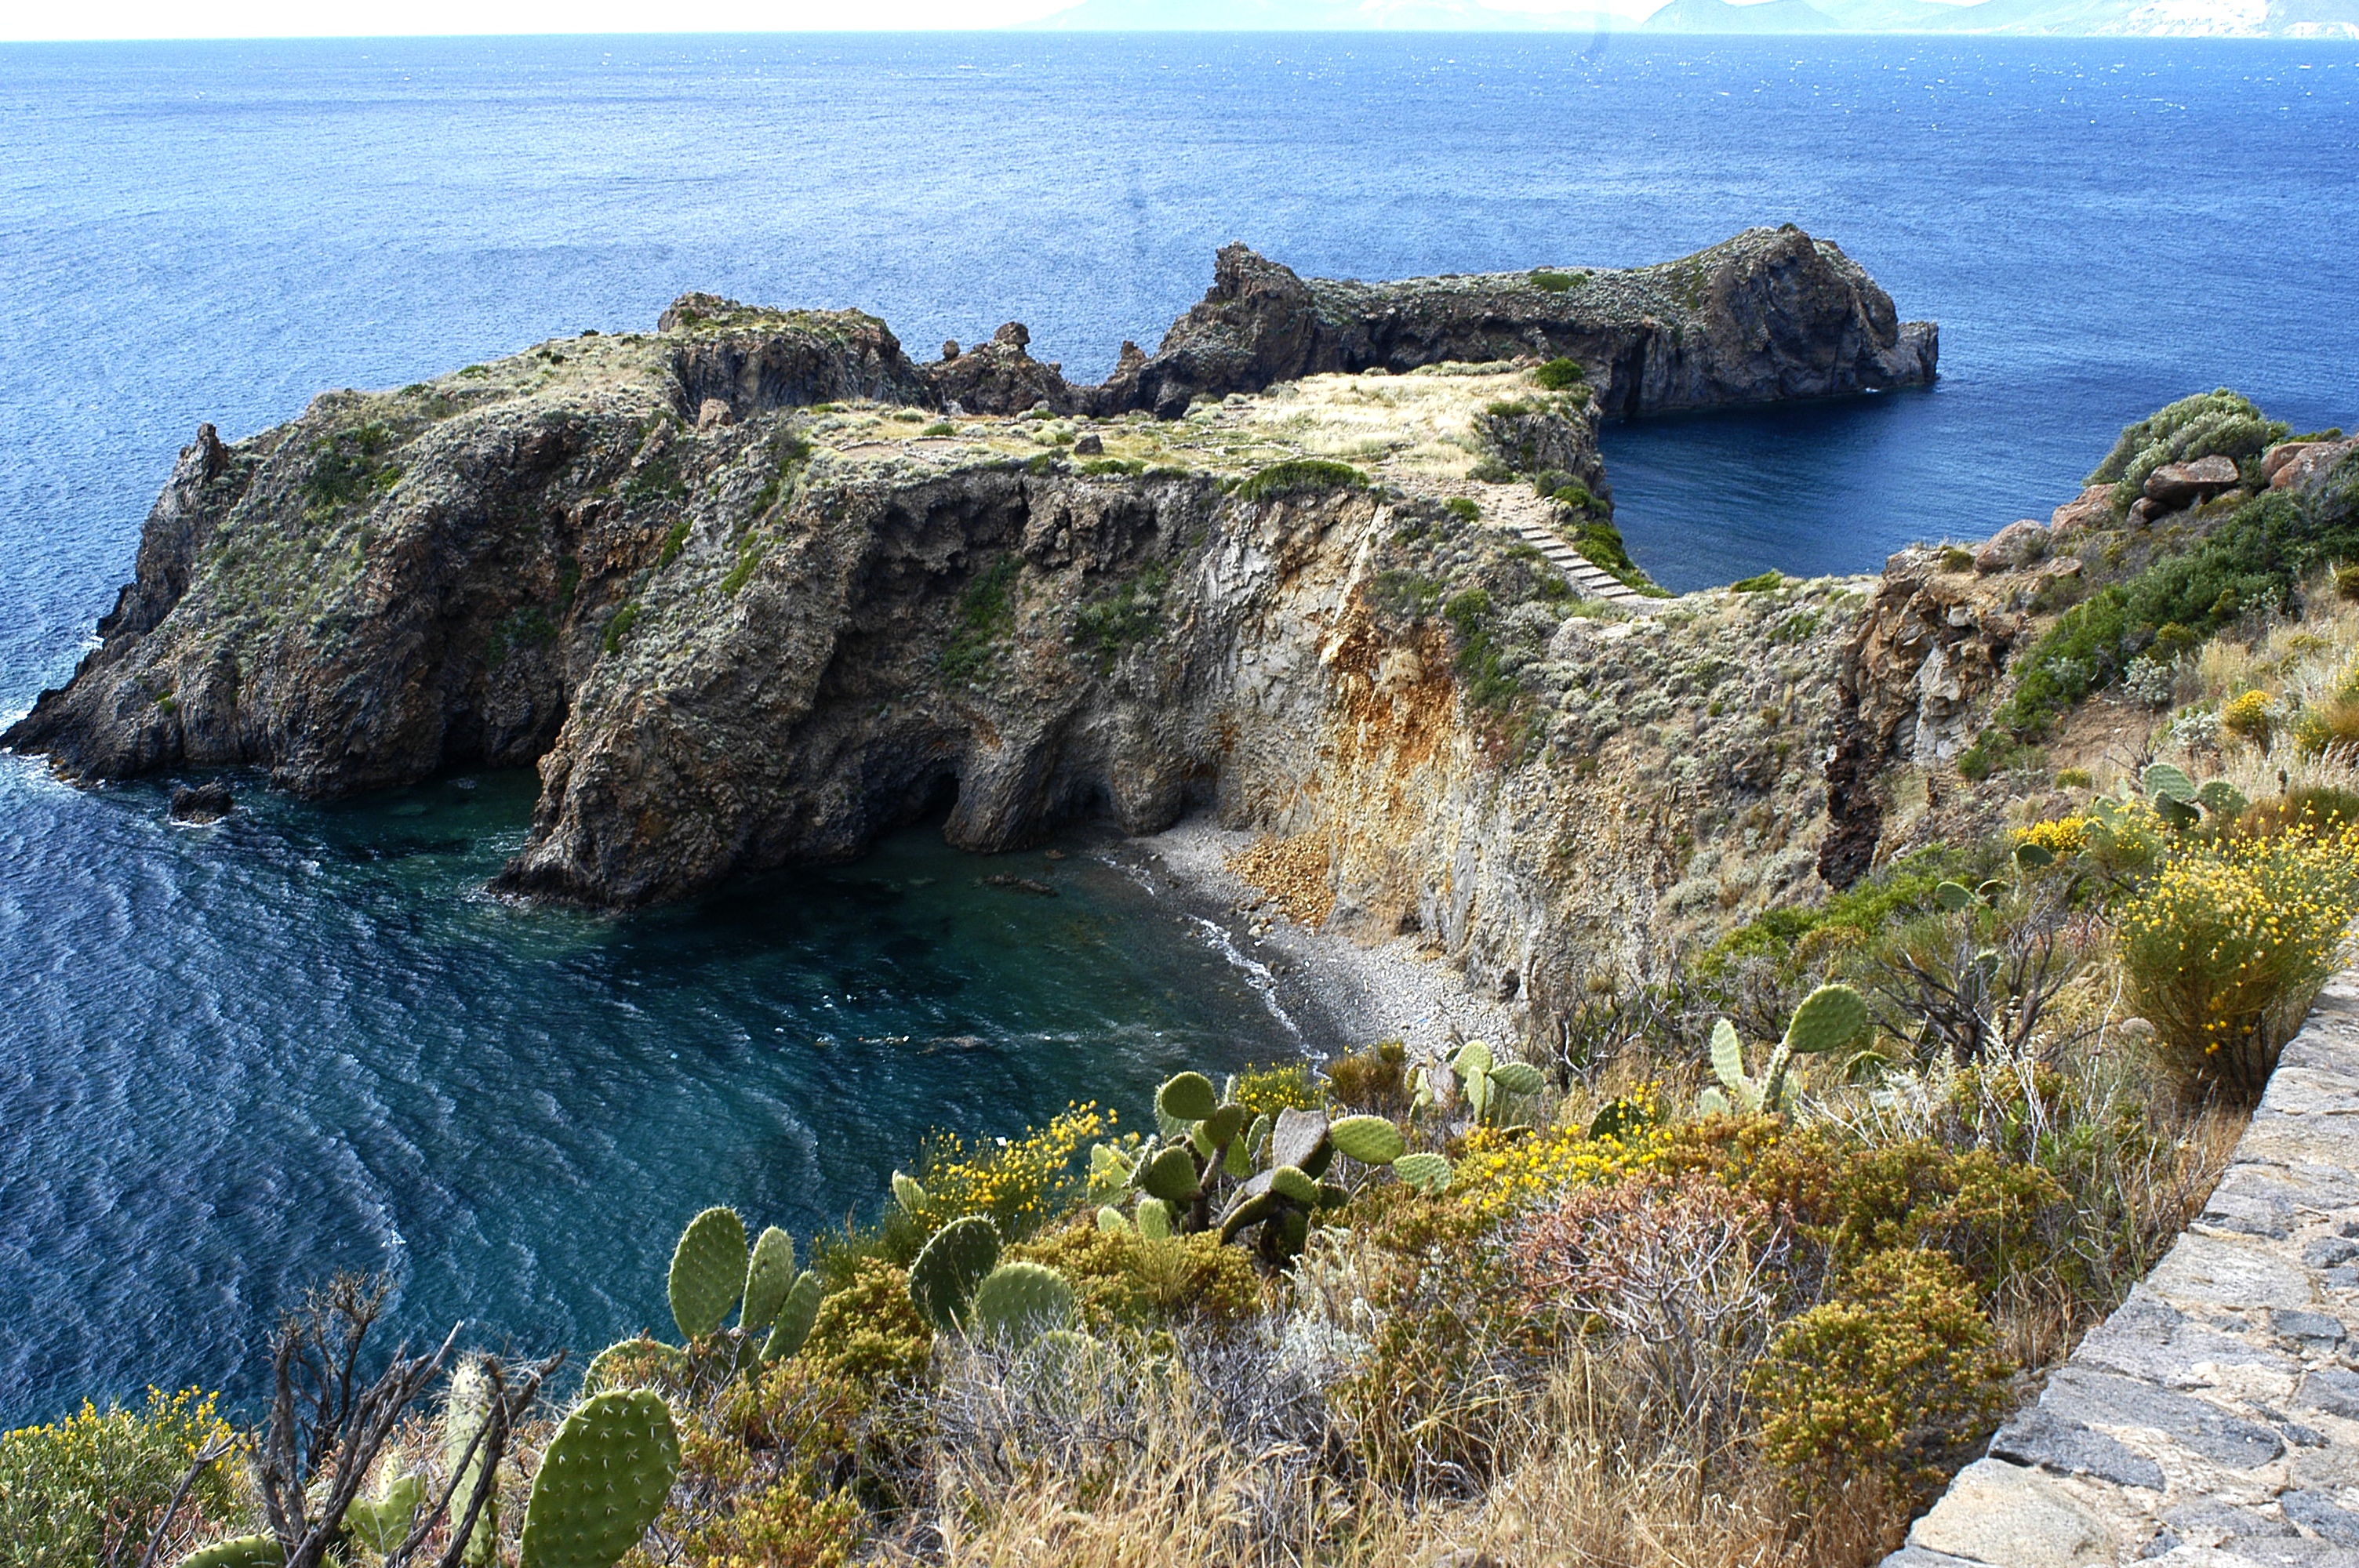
x: 234, y: 1059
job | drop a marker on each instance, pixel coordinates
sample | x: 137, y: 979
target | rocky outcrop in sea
x: 756, y: 588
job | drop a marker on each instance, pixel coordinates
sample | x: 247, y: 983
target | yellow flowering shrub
x: 2250, y: 717
x: 2060, y: 836
x: 2226, y: 947
x: 1534, y: 1168
x: 1020, y: 1182
x: 94, y: 1485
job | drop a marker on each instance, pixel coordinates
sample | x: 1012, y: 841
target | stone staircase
x: 1516, y: 509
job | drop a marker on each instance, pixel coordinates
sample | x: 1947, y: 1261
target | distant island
x: 2032, y: 18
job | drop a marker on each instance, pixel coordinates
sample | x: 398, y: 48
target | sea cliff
x: 757, y: 586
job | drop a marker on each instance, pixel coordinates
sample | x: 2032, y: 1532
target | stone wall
x: 2212, y: 1421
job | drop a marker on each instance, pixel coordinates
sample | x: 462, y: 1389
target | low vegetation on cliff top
x: 1737, y: 1270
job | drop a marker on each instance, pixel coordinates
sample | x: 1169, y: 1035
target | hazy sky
x: 26, y: 19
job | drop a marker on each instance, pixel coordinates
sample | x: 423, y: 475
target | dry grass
x: 1178, y: 1491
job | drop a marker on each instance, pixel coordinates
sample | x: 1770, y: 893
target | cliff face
x: 748, y: 602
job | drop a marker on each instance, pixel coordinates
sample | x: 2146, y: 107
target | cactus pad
x: 1370, y: 1140
x: 2163, y: 782
x: 1187, y: 1097
x: 1171, y: 1175
x: 1249, y: 1209
x: 1728, y: 1058
x: 1475, y: 1056
x: 1518, y: 1079
x: 632, y: 1364
x: 1155, y: 1219
x: 1111, y: 1220
x: 238, y: 1552
x: 1293, y: 1185
x: 948, y: 1267
x: 908, y: 1193
x: 1223, y: 1125
x: 383, y: 1524
x: 2176, y: 813
x: 1298, y: 1137
x: 463, y: 1413
x: 1830, y: 1018
x: 1427, y: 1173
x: 1953, y: 896
x: 796, y: 1315
x: 1018, y: 1301
x: 603, y: 1480
x: 2222, y: 799
x: 708, y: 1270
x: 767, y: 1279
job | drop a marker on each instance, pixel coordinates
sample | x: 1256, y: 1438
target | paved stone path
x: 2212, y: 1421
x: 1514, y: 508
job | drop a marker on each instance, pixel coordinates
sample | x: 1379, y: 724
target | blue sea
x: 234, y: 1059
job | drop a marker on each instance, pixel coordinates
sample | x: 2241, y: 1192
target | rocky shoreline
x: 756, y: 588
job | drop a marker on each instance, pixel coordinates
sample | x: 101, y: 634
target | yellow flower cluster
x: 69, y: 1488
x: 1014, y: 1181
x: 2060, y: 836
x: 1535, y: 1168
x: 2250, y: 716
x: 187, y: 1418
x: 2231, y: 938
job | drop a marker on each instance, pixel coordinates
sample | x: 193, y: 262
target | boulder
x: 2298, y: 465
x: 2091, y: 507
x: 2018, y: 544
x: 202, y: 803
x: 2177, y: 485
x: 712, y: 414
x: 1088, y: 445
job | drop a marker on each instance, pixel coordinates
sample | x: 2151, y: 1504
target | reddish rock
x: 2017, y: 544
x: 2175, y: 485
x: 2300, y: 464
x: 2091, y: 506
x: 712, y: 414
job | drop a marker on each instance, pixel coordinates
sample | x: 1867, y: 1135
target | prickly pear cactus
x: 603, y: 1480
x: 464, y: 1414
x: 1830, y: 1018
x: 708, y: 1271
x: 796, y: 1315
x: 238, y: 1552
x: 635, y: 1363
x: 767, y: 1279
x: 1298, y: 1137
x: 1171, y: 1176
x: 908, y: 1193
x: 1017, y: 1301
x: 2163, y: 782
x: 1517, y: 1078
x: 1186, y: 1097
x: 953, y: 1262
x: 1294, y: 1186
x: 1370, y: 1140
x: 1155, y: 1219
x: 380, y: 1524
x: 1111, y: 1221
x: 1427, y: 1173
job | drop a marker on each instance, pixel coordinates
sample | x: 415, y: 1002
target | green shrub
x: 1993, y: 752
x: 1128, y: 618
x: 1957, y: 558
x: 1480, y: 658
x: 870, y: 1331
x: 749, y: 557
x: 91, y: 1488
x: 1762, y: 583
x: 986, y: 611
x: 940, y: 428
x: 1560, y: 374
x: 2074, y: 778
x: 2210, y: 424
x: 1894, y: 1377
x: 344, y: 467
x: 1548, y: 280
x: 674, y: 542
x: 1460, y: 507
x: 2252, y: 562
x: 1123, y: 1279
x: 618, y: 626
x: 1300, y: 476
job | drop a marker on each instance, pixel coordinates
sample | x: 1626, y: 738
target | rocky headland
x: 757, y: 586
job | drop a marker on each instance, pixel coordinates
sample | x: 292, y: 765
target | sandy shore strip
x: 1344, y: 996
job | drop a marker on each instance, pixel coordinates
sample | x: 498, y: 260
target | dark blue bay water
x: 234, y: 1059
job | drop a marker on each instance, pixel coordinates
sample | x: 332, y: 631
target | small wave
x: 1256, y: 972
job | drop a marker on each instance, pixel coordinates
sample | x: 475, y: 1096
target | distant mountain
x: 2085, y: 19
